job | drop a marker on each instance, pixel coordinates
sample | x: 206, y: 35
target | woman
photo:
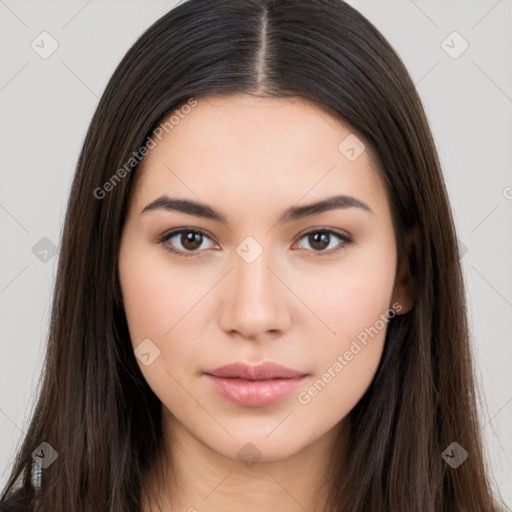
x: 259, y: 300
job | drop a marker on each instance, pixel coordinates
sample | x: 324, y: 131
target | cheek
x: 350, y: 298
x: 159, y: 303
x: 346, y: 363
x: 157, y: 297
x: 355, y: 306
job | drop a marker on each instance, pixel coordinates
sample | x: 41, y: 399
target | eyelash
x: 345, y: 240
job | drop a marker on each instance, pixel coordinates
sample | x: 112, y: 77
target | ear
x: 403, y: 291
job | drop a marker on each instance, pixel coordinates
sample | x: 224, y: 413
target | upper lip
x: 262, y: 371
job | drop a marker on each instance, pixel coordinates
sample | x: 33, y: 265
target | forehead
x: 245, y: 123
x: 242, y: 146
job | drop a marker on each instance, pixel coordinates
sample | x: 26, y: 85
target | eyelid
x: 343, y: 236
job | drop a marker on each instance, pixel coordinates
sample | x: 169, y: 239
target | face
x: 311, y: 290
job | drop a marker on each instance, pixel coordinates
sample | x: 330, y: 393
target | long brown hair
x: 94, y: 407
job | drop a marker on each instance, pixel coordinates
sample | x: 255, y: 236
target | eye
x: 190, y: 239
x: 320, y: 239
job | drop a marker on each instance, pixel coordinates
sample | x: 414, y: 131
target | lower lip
x: 254, y: 393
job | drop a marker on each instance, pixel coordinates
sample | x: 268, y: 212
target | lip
x: 261, y: 371
x: 254, y: 385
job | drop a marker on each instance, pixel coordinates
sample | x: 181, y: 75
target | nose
x: 255, y: 302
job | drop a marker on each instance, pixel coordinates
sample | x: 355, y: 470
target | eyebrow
x: 291, y: 214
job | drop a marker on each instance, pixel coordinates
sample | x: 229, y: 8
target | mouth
x: 254, y: 386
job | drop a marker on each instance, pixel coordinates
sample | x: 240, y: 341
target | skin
x: 251, y: 158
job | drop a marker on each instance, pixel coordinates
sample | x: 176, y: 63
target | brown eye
x: 184, y: 242
x: 321, y: 239
x: 191, y: 240
x: 188, y: 242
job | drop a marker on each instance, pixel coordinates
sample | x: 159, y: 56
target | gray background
x: 46, y: 105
